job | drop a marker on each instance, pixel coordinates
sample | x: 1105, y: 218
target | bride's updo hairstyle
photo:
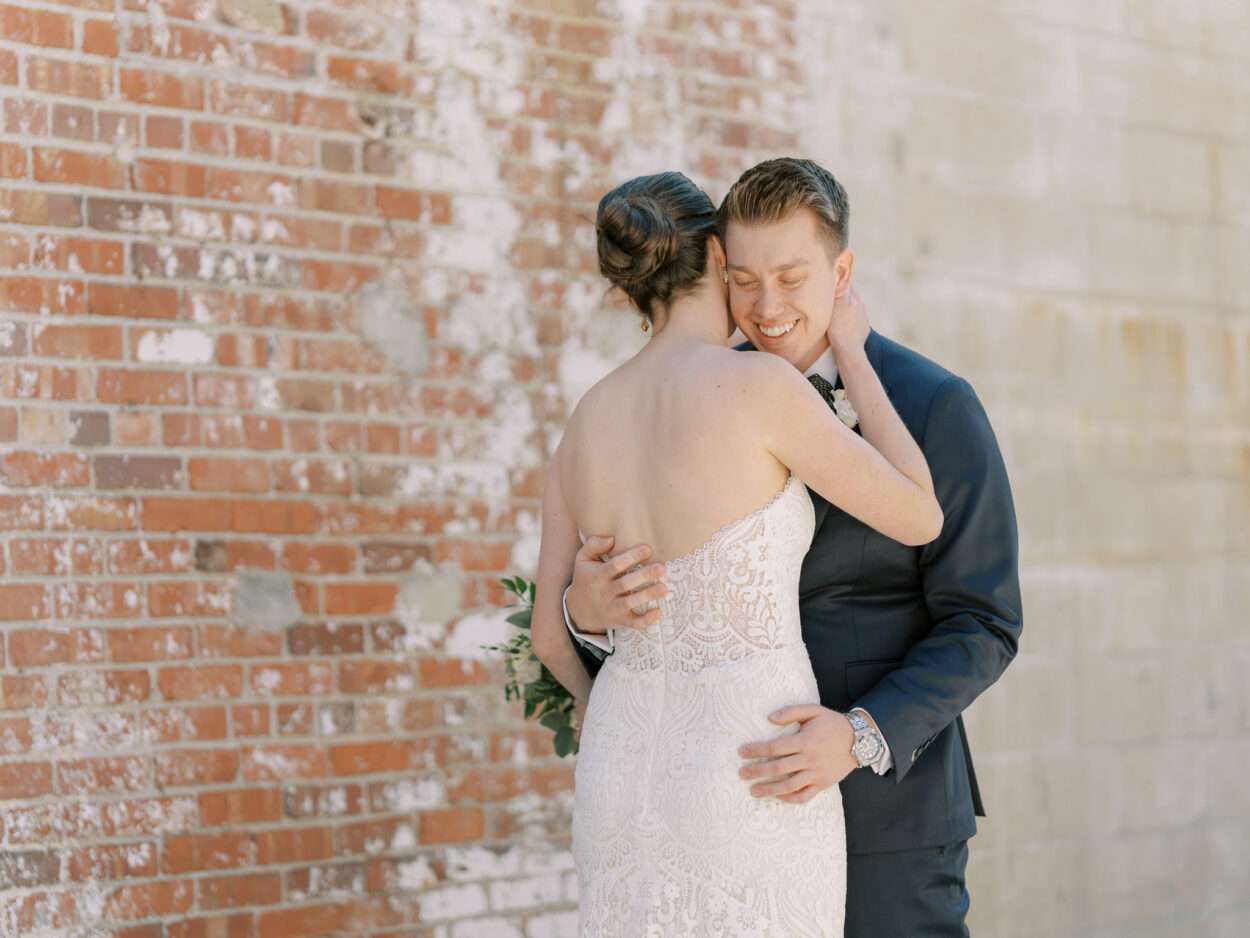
x: 652, y: 234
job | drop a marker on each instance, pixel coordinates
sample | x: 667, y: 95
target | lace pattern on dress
x: 668, y: 840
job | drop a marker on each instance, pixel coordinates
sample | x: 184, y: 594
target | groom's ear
x: 717, y: 247
x: 843, y: 267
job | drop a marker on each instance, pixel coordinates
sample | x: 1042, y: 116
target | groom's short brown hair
x: 772, y: 190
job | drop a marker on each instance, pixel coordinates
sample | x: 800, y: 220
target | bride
x: 699, y: 450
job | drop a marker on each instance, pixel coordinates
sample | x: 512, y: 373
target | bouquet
x: 529, y: 679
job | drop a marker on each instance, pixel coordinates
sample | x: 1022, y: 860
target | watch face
x: 867, y: 748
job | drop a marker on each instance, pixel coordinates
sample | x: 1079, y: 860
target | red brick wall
x: 294, y: 297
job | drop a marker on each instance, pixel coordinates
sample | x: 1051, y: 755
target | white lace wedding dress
x: 667, y: 838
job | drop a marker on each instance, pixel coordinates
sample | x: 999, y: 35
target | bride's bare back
x: 664, y: 452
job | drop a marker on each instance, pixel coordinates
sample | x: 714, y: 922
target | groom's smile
x: 781, y: 285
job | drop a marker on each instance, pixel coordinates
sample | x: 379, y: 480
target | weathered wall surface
x: 1052, y: 199
x: 295, y: 296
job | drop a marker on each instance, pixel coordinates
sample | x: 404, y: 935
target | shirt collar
x: 825, y: 366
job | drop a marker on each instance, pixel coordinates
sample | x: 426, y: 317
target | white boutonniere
x: 843, y: 408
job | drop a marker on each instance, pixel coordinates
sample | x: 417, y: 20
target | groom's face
x: 781, y: 286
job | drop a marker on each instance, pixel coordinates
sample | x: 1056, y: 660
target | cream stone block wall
x: 1053, y: 200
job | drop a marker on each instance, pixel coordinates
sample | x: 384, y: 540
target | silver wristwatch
x: 869, y: 743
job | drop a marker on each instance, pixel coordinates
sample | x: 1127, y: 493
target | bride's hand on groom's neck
x: 848, y: 326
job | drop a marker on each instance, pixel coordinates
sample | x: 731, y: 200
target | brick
x: 53, y: 470
x: 161, y: 89
x: 128, y: 646
x: 189, y: 598
x: 364, y: 758
x: 28, y: 869
x: 360, y: 598
x: 149, y: 900
x: 30, y: 648
x: 78, y: 168
x: 103, y: 688
x: 159, y: 388
x: 22, y: 691
x: 135, y: 429
x: 133, y: 301
x: 284, y: 762
x: 176, y: 768
x: 78, y: 341
x: 215, y: 681
x: 77, y: 79
x: 195, y: 852
x: 108, y: 862
x: 137, y: 472
x: 111, y: 600
x: 106, y: 774
x: 185, y: 724
x: 41, y: 295
x: 25, y: 780
x: 284, y: 680
x: 99, y: 37
x: 214, y: 474
x: 310, y: 639
x: 228, y: 892
x: 273, y: 517
x: 169, y: 178
x: 57, y: 556
x: 240, y: 806
x: 450, y: 825
x: 93, y: 513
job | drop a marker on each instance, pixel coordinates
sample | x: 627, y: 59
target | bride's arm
x: 560, y: 542
x: 878, y: 420
x: 889, y: 489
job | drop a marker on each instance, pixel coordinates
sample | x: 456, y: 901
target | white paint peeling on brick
x: 280, y: 193
x: 177, y: 346
x: 267, y: 396
x: 196, y: 224
x: 524, y: 559
x: 453, y: 902
x: 416, y: 875
x: 158, y: 27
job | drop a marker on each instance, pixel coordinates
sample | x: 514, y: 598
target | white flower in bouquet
x: 527, y: 668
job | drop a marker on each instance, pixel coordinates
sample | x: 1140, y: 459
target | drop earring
x: 646, y: 324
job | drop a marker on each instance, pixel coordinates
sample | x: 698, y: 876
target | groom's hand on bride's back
x: 607, y: 590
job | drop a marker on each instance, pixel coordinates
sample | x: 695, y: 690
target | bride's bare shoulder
x: 754, y: 372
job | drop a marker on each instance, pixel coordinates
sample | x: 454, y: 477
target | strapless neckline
x: 724, y: 528
x: 728, y: 526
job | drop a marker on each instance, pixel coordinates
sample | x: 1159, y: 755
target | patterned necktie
x: 823, y: 386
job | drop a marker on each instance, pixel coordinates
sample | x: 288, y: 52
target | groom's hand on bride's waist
x: 608, y: 591
x: 797, y: 767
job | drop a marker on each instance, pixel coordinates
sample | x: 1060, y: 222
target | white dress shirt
x: 827, y: 368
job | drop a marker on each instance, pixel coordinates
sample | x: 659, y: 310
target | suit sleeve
x: 593, y: 655
x: 970, y: 579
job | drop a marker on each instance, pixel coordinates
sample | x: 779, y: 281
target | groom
x: 901, y: 639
